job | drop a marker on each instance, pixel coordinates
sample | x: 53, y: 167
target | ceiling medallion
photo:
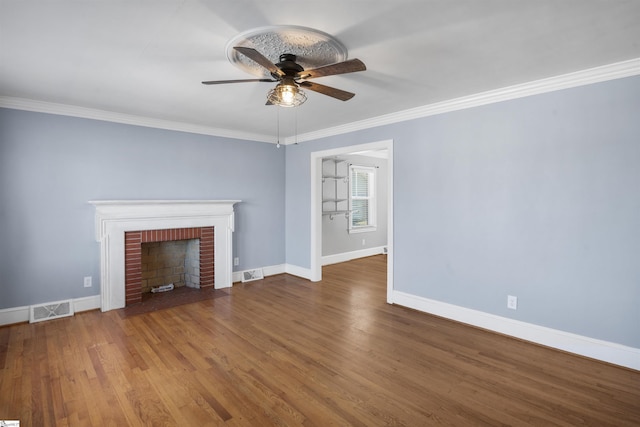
x: 312, y: 48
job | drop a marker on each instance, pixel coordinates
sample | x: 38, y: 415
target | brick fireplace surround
x: 212, y: 221
x: 133, y: 241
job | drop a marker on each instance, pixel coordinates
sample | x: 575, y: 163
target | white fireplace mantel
x: 115, y: 217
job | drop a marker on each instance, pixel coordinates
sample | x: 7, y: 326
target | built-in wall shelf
x: 335, y: 187
x: 333, y: 214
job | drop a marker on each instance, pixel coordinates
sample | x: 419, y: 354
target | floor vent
x: 50, y: 310
x: 249, y: 275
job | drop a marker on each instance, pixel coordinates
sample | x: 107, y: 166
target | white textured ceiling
x: 312, y: 47
x: 147, y: 58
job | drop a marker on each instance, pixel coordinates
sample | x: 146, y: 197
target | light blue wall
x: 51, y: 166
x: 537, y: 197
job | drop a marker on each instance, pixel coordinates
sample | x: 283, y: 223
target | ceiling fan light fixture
x: 291, y: 73
x: 286, y: 94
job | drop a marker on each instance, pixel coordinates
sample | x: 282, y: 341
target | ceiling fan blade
x: 350, y: 66
x: 253, y: 54
x: 220, y: 82
x: 342, y: 95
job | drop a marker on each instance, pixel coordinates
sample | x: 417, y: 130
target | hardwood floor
x: 284, y: 351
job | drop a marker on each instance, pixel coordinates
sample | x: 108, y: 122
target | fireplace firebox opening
x: 138, y: 281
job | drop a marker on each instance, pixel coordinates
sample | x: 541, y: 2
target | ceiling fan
x: 291, y: 76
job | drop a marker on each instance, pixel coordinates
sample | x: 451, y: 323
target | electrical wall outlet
x: 364, y: 242
x: 512, y: 302
x: 236, y: 261
x: 87, y: 282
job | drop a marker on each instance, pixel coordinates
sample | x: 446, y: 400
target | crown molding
x: 129, y: 119
x: 579, y: 78
x: 566, y: 81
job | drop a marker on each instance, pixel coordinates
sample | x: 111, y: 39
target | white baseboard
x: 86, y: 303
x: 348, y: 256
x: 617, y: 354
x: 305, y: 273
x: 13, y: 315
x: 295, y: 270
x: 270, y: 270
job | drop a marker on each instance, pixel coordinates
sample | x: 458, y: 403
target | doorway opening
x: 317, y: 202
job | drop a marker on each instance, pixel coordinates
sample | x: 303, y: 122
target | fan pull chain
x: 278, y: 126
x: 296, y: 124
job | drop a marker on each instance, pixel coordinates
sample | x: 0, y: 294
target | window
x: 362, y: 201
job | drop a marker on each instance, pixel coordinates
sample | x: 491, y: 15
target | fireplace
x: 134, y: 241
x: 122, y: 224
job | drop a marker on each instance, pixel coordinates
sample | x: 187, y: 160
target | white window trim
x: 373, y: 204
x: 363, y: 229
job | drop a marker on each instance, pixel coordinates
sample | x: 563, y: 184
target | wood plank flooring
x: 284, y: 351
